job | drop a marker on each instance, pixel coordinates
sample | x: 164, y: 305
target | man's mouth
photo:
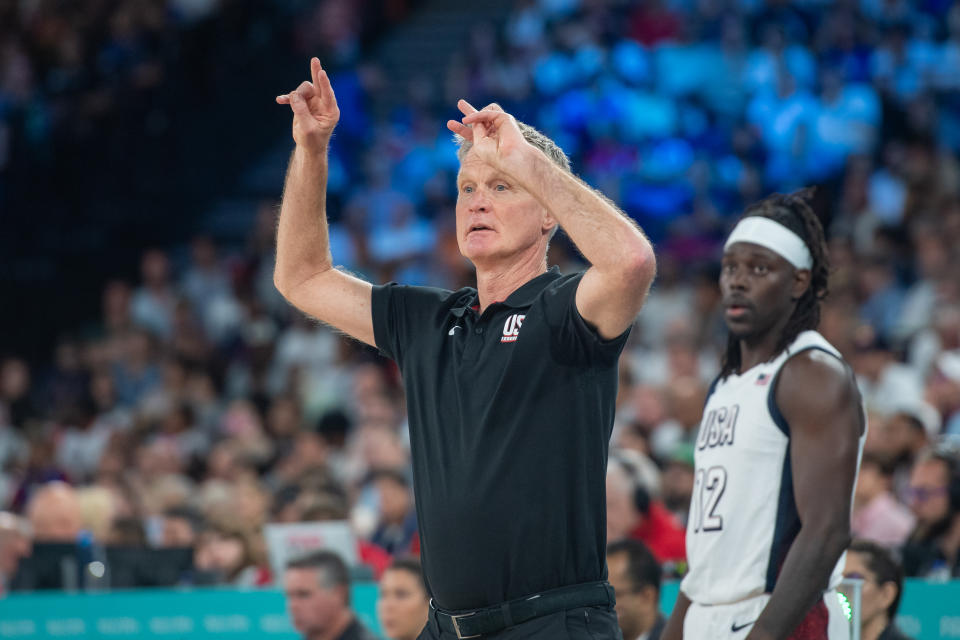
x: 478, y: 227
x: 736, y: 309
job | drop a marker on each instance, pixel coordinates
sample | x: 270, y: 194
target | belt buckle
x: 456, y: 625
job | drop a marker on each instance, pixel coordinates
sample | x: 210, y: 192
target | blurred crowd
x: 200, y: 407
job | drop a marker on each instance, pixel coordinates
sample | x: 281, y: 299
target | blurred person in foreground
x: 933, y: 548
x: 403, y: 604
x: 635, y: 576
x: 14, y: 545
x: 778, y: 447
x: 510, y: 386
x: 317, y: 587
x: 882, y: 588
x: 55, y: 514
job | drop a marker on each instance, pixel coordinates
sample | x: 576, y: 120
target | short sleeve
x: 573, y: 341
x: 402, y: 314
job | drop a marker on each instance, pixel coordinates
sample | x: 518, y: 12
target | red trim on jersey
x: 814, y: 624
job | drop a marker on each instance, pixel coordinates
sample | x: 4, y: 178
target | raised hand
x: 496, y: 137
x: 315, y: 110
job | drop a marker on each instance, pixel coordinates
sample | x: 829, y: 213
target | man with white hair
x: 510, y: 386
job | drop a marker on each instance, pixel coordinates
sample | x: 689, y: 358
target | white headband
x: 774, y: 236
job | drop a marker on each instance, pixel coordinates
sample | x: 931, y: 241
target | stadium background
x: 148, y: 361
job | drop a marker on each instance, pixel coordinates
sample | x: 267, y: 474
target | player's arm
x: 304, y: 271
x: 674, y: 628
x: 622, y: 262
x: 819, y: 399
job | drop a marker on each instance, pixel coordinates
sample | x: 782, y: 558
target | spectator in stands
x: 883, y: 297
x: 634, y: 575
x: 677, y: 483
x: 54, y: 513
x: 403, y: 604
x: 154, y: 301
x: 136, y: 372
x: 882, y: 587
x: 877, y: 514
x: 180, y: 527
x: 398, y: 520
x: 933, y: 549
x: 15, y: 387
x: 330, y: 504
x: 884, y: 382
x: 14, y: 545
x: 229, y: 555
x: 633, y: 514
x: 900, y: 438
x: 317, y: 587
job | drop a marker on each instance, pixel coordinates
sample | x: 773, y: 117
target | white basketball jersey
x: 743, y: 517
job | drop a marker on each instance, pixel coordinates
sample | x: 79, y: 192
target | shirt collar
x: 522, y: 297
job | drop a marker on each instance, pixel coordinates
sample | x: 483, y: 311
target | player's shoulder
x: 811, y: 357
x: 816, y: 376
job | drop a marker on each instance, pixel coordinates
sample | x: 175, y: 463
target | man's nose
x: 737, y: 279
x: 480, y: 201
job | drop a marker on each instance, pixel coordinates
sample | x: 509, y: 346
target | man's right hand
x: 304, y: 271
x: 315, y: 110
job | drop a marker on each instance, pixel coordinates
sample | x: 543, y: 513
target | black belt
x: 473, y: 624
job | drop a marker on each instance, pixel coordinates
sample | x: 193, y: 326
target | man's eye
x: 468, y: 189
x: 501, y: 187
x: 760, y: 269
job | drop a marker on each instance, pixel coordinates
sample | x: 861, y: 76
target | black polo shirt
x: 510, y: 417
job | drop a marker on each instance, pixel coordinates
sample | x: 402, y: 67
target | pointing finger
x: 284, y: 99
x: 322, y: 85
x: 315, y: 69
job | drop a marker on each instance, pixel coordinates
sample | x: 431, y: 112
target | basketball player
x: 778, y: 447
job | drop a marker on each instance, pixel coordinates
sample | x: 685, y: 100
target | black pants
x: 582, y: 623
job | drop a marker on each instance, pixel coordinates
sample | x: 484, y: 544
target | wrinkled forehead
x: 473, y: 167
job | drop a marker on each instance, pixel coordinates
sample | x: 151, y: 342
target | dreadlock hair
x: 794, y: 212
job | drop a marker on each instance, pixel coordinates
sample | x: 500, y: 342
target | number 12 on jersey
x: 708, y: 488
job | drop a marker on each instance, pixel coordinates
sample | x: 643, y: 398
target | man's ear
x: 801, y: 282
x: 548, y: 222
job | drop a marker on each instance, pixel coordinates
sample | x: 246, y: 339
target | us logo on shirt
x: 511, y: 328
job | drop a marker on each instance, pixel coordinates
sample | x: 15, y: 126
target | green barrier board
x: 929, y: 611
